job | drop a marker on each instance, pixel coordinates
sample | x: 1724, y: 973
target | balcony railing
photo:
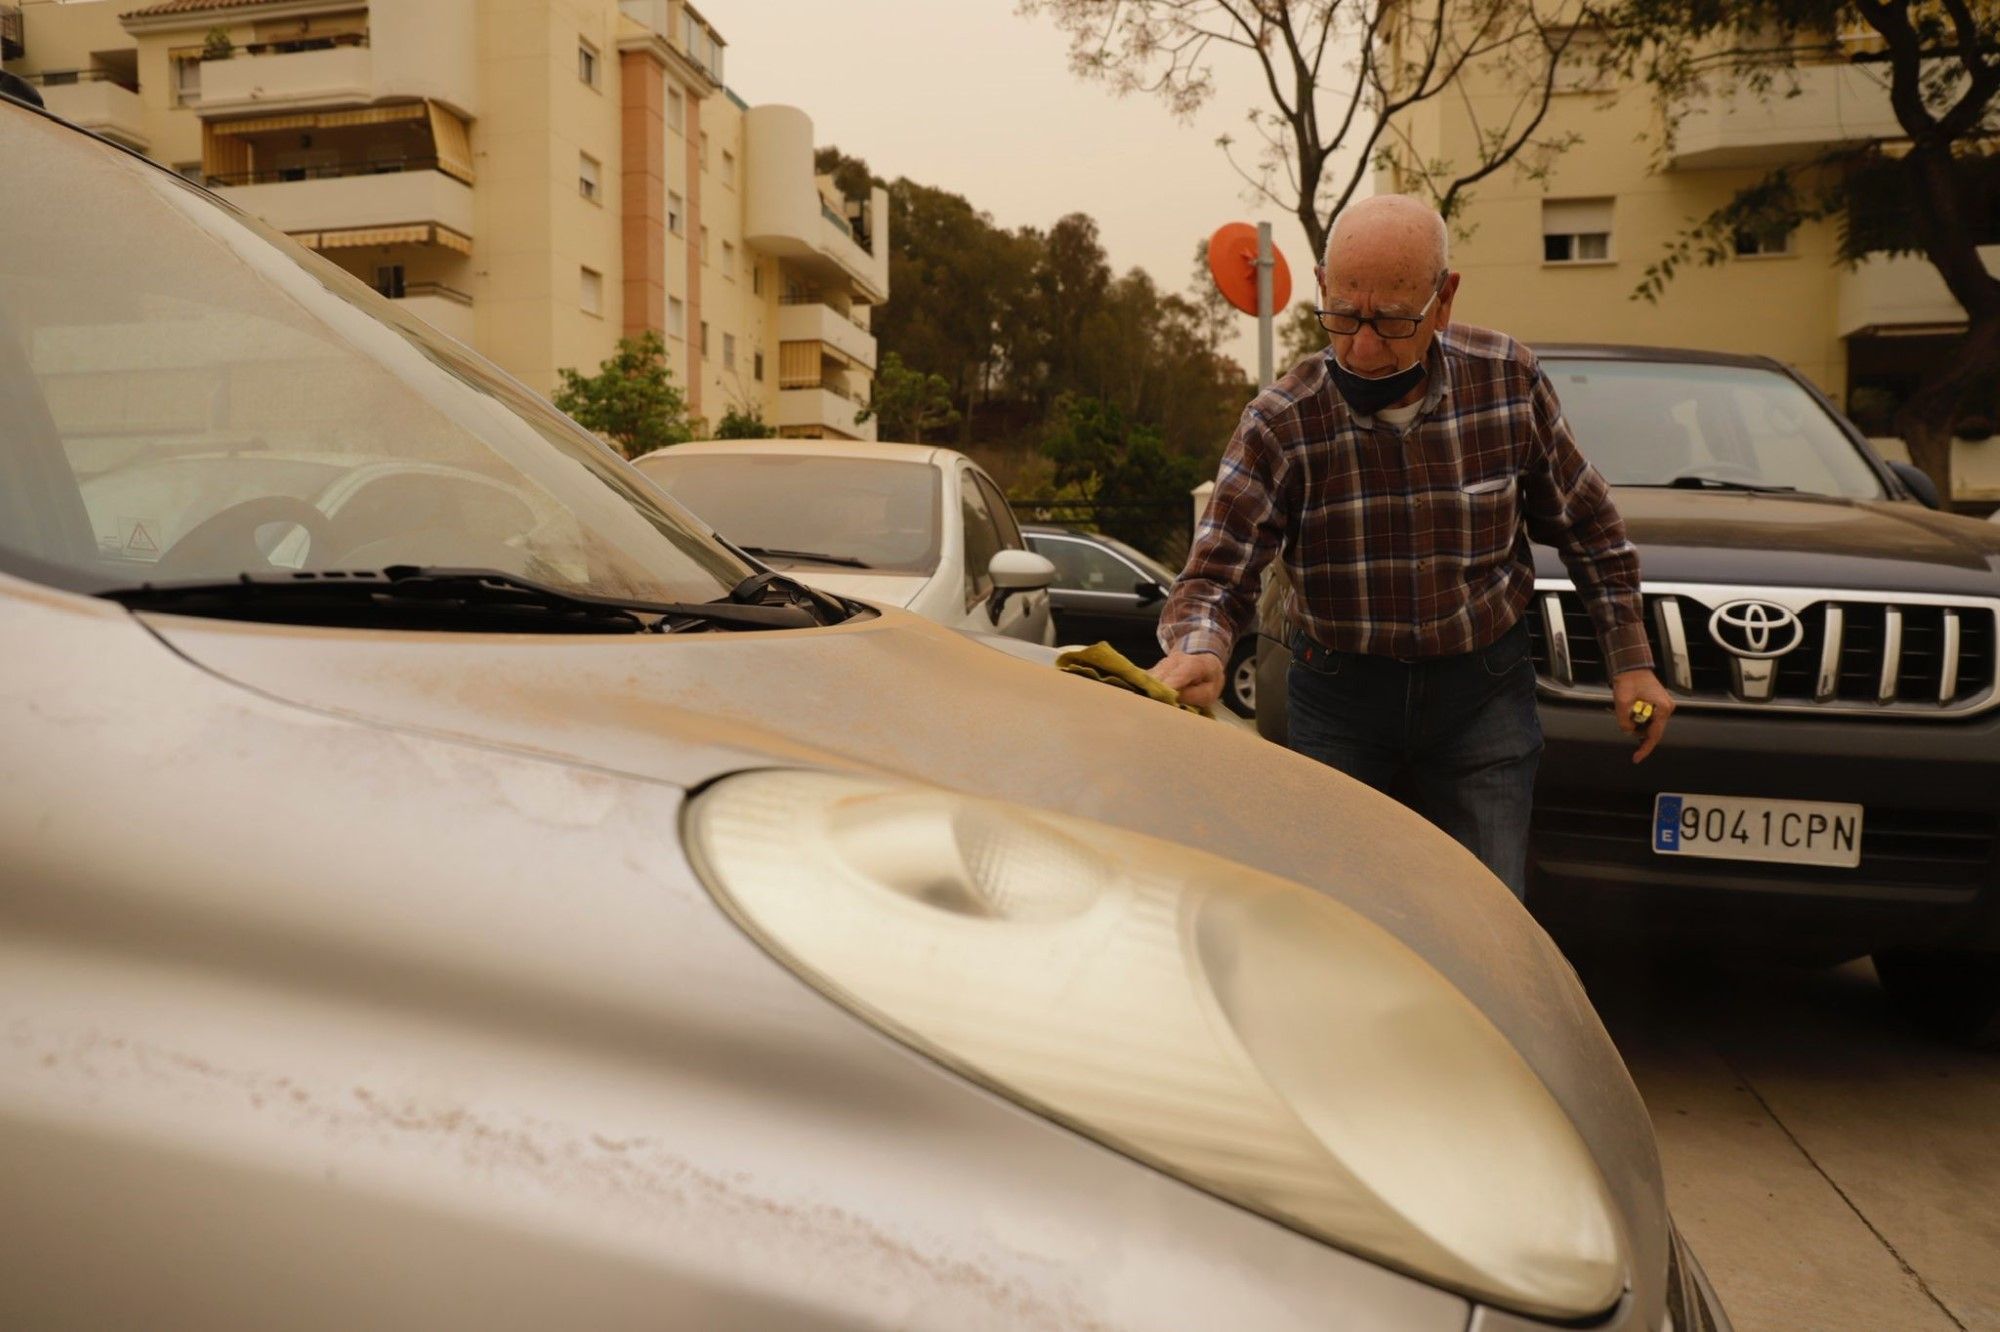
x: 288, y: 46
x: 63, y: 78
x: 438, y: 289
x: 325, y: 171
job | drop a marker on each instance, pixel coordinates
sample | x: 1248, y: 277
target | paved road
x: 1832, y: 1168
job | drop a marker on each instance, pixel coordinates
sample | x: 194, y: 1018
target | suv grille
x: 1786, y: 649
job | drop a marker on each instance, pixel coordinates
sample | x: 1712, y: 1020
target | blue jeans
x: 1454, y: 738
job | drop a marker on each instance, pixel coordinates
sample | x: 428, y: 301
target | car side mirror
x: 1149, y: 591
x: 1021, y: 571
x: 1918, y: 482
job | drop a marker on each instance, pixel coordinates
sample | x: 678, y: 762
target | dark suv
x: 1831, y: 783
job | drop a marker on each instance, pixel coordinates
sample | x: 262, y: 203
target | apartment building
x: 1558, y: 259
x: 533, y: 177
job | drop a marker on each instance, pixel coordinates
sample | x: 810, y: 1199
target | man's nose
x: 1368, y: 344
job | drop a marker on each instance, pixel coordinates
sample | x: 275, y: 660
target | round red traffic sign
x: 1232, y: 262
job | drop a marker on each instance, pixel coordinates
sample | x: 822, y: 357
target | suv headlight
x: 1254, y: 1038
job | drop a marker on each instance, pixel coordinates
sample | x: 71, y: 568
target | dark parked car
x: 1106, y: 590
x: 1831, y: 785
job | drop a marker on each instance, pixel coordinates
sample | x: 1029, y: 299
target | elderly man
x: 1401, y: 472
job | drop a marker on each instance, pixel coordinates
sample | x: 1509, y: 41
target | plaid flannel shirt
x: 1408, y: 543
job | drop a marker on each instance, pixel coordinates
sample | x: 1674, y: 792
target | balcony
x: 90, y: 98
x: 808, y: 321
x: 1837, y: 104
x: 328, y: 71
x: 1902, y: 291
x: 818, y: 413
x: 446, y: 309
x: 785, y: 215
x: 355, y: 200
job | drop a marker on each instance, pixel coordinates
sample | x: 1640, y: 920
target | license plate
x: 1786, y: 832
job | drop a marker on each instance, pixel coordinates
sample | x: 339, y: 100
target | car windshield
x: 191, y: 397
x: 1652, y: 423
x: 879, y: 513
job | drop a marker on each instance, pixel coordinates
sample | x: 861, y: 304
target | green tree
x: 743, y: 423
x: 631, y: 400
x: 1139, y: 487
x: 907, y: 402
x: 1931, y: 189
x: 1299, y: 335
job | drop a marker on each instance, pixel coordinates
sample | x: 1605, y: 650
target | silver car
x: 535, y: 914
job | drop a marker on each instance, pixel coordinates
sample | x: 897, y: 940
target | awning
x: 311, y: 120
x: 414, y: 233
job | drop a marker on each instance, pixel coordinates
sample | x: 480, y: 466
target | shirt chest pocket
x: 1489, y: 516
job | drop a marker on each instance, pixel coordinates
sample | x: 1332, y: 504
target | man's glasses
x: 1390, y: 328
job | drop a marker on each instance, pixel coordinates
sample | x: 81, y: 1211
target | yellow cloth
x: 1106, y: 665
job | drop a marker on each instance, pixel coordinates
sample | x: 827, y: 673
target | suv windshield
x: 190, y: 397
x: 1654, y: 423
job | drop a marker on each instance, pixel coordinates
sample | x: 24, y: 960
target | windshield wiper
x: 474, y: 600
x: 1692, y: 482
x: 817, y: 557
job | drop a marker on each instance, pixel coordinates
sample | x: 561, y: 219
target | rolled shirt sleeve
x: 1239, y: 533
x: 1568, y: 506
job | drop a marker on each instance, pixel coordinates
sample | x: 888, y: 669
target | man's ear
x: 1445, y: 295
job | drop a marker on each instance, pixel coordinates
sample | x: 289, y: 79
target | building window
x: 704, y: 242
x: 389, y: 280
x: 756, y: 278
x: 676, y: 111
x: 591, y: 291
x: 1576, y: 231
x: 728, y: 351
x: 187, y: 80
x: 704, y: 150
x: 704, y: 337
x: 757, y: 366
x: 677, y: 317
x: 728, y: 260
x: 729, y: 168
x: 586, y: 63
x: 587, y: 176
x: 1766, y: 242
x: 674, y: 206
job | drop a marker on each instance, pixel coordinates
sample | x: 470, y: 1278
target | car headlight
x: 1254, y: 1038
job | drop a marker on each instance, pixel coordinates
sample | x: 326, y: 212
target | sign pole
x: 1265, y: 263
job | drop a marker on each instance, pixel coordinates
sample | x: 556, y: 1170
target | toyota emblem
x: 1759, y: 630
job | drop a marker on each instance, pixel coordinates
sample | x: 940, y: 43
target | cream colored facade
x: 1838, y: 326
x: 534, y: 177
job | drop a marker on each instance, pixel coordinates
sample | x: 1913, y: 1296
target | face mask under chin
x: 1365, y: 395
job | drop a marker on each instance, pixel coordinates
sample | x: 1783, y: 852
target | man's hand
x: 1197, y: 675
x: 1628, y: 687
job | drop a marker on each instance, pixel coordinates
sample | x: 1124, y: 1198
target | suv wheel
x: 1239, y: 681
x: 1955, y: 994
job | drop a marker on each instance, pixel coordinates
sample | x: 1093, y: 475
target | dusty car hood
x: 898, y: 694
x: 884, y: 589
x: 1804, y: 541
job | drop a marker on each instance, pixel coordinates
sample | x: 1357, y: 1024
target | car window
x: 1647, y: 422
x: 882, y: 512
x: 1148, y: 566
x: 1003, y: 513
x: 1082, y: 566
x: 982, y: 538
x: 168, y: 366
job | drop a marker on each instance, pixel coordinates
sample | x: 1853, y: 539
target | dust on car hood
x: 1804, y: 541
x: 897, y: 694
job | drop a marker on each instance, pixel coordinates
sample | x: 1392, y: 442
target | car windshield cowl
x: 1714, y: 483
x: 472, y: 600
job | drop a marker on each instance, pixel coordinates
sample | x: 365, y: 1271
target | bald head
x: 1387, y: 256
x: 1390, y: 237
